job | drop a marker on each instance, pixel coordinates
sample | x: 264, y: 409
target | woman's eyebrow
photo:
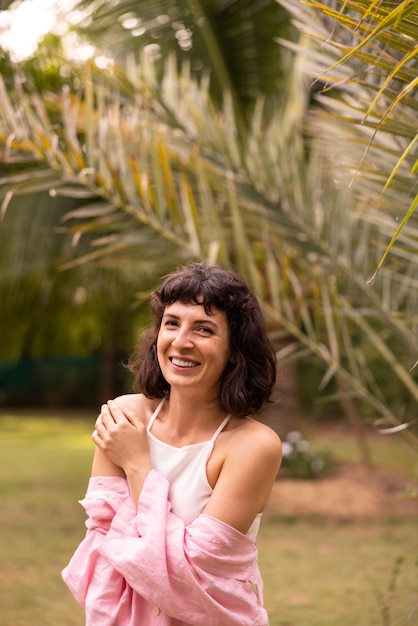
x: 205, y: 321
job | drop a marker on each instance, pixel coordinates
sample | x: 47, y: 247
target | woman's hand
x: 122, y: 437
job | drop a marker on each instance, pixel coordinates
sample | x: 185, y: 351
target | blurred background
x: 269, y: 137
x: 277, y: 138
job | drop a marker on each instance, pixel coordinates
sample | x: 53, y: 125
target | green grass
x: 44, y: 468
x: 325, y: 574
x: 316, y: 572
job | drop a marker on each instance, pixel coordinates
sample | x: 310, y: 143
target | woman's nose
x: 182, y: 338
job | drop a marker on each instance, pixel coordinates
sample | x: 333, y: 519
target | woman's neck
x: 186, y: 417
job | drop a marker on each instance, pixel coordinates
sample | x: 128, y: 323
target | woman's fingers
x: 104, y: 423
x: 110, y: 414
x: 114, y: 411
x: 111, y: 418
x: 121, y: 436
x: 133, y: 418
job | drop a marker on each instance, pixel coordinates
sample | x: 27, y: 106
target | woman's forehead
x: 194, y: 308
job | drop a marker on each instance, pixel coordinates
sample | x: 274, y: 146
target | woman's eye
x: 170, y: 323
x: 205, y: 330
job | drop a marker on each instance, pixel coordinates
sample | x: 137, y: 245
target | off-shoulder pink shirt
x: 146, y: 567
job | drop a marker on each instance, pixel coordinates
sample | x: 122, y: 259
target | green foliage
x: 6, y: 67
x: 57, y: 381
x: 365, y: 56
x: 167, y: 175
x: 302, y: 460
x: 48, y: 311
x: 49, y: 69
x: 230, y: 44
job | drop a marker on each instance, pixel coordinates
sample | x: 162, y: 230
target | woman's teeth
x: 181, y: 363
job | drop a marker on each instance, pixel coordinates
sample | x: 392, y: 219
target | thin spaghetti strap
x: 221, y: 427
x: 155, y: 415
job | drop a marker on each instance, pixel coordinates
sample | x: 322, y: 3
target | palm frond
x: 369, y: 70
x: 173, y: 179
x: 210, y: 36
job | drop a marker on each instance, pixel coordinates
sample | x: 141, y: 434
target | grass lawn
x: 316, y: 572
x: 326, y: 574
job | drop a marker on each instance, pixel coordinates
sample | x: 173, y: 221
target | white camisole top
x: 185, y: 470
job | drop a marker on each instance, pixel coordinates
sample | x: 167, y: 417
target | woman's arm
x: 247, y: 476
x: 102, y: 466
x: 121, y: 440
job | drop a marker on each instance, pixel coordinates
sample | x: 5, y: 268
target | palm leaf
x: 210, y: 36
x: 168, y: 183
x: 379, y: 92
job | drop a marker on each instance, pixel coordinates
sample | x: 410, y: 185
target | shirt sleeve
x: 87, y: 569
x: 205, y: 572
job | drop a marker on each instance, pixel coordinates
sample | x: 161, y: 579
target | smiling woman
x: 193, y: 348
x: 250, y: 374
x: 181, y: 472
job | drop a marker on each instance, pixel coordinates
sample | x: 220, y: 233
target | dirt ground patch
x: 353, y: 492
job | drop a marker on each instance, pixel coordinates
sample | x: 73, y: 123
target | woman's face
x: 193, y: 348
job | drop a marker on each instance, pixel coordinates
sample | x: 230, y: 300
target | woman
x: 181, y: 473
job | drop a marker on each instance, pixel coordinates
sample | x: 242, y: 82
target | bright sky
x: 26, y: 22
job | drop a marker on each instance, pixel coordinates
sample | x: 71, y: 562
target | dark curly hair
x: 249, y: 378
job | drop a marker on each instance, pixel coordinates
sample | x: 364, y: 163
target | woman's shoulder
x: 249, y: 433
x: 251, y: 453
x: 139, y: 404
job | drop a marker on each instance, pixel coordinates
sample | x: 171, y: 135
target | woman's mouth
x: 183, y: 362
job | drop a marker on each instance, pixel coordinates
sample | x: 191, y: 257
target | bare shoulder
x: 139, y: 404
x: 250, y: 460
x: 257, y: 439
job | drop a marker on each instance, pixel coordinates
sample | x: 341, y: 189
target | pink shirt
x: 147, y: 568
